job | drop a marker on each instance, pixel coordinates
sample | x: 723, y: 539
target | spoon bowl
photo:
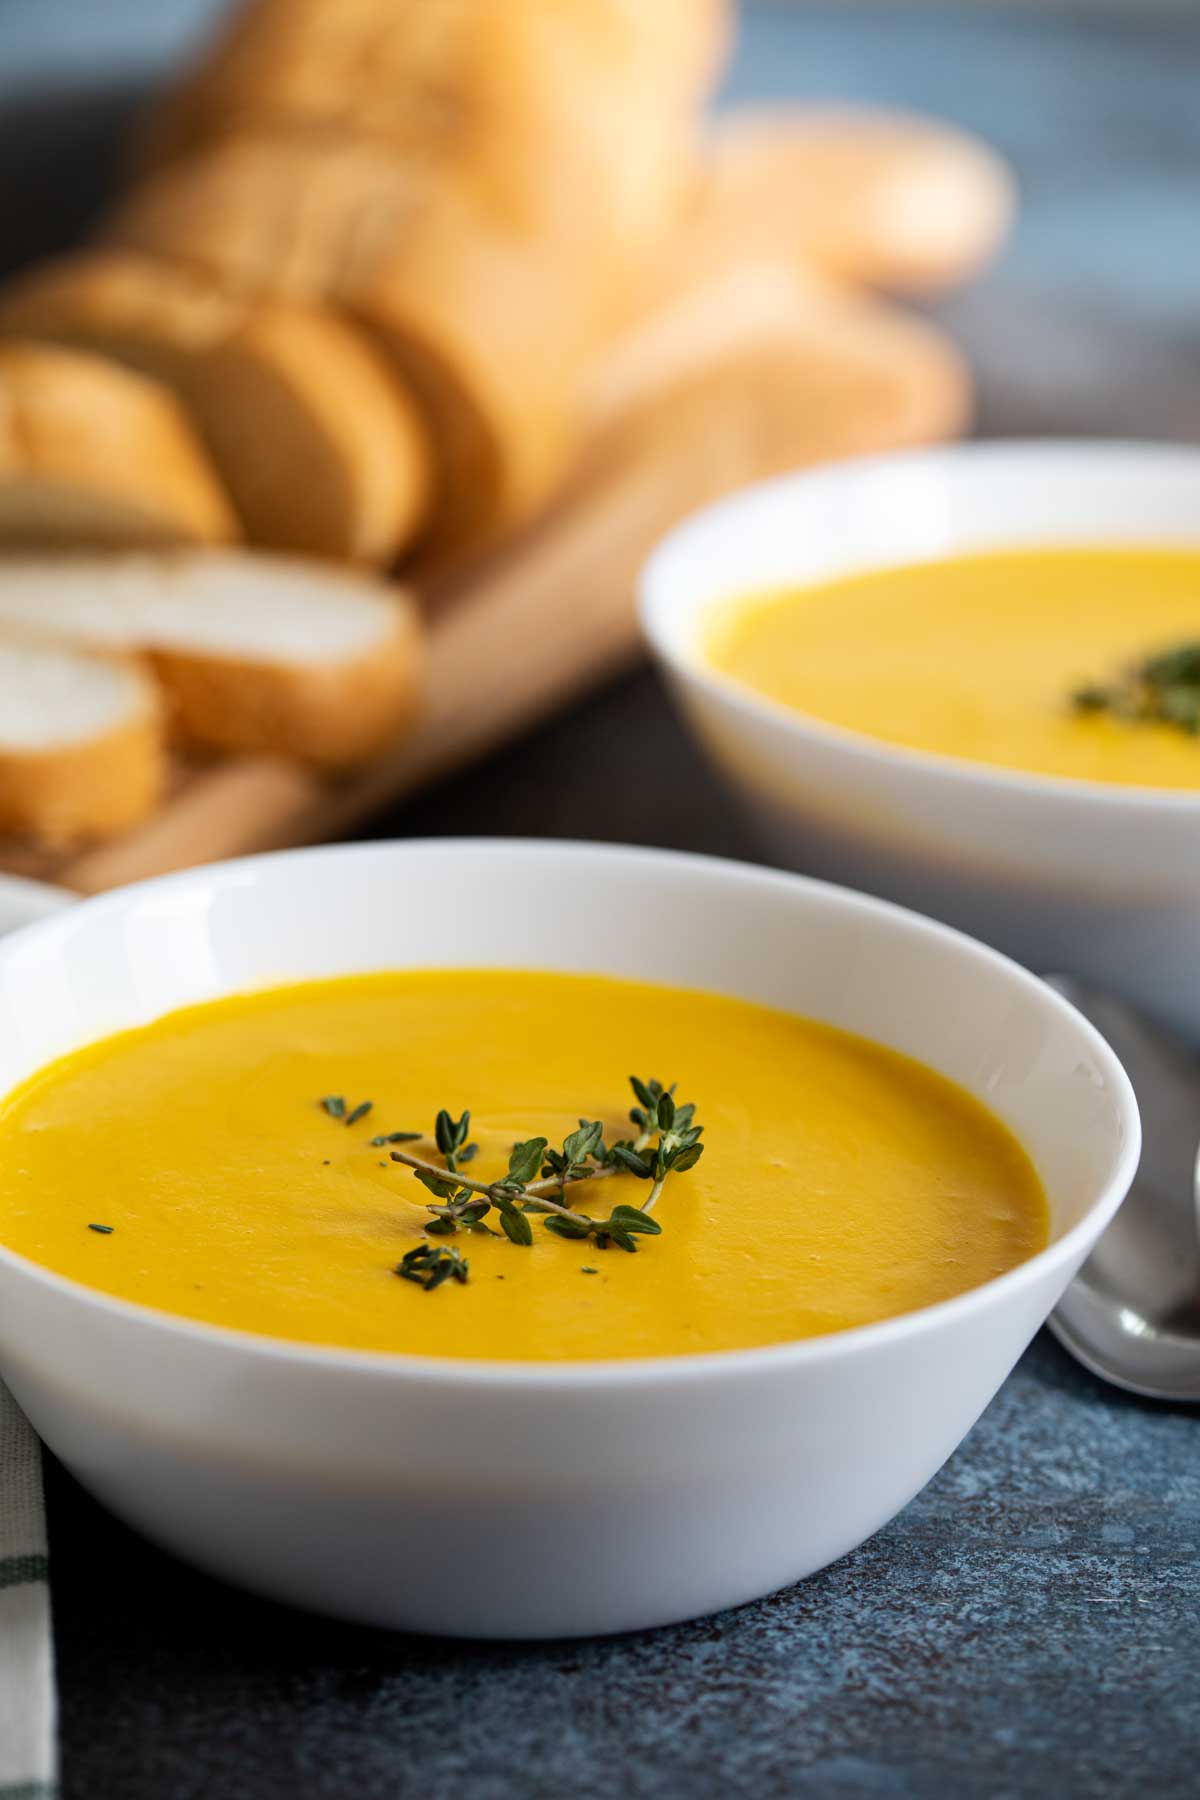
x: 1132, y: 1314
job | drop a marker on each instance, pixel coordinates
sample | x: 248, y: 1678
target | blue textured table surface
x: 1031, y: 1624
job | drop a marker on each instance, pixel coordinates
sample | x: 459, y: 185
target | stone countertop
x: 1027, y: 1627
x: 1031, y: 1624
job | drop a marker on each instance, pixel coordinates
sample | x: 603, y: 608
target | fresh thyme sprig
x: 1163, y: 689
x: 668, y: 1141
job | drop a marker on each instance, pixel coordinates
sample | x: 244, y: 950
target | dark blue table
x: 1031, y: 1625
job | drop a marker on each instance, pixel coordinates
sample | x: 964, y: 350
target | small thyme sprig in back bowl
x: 667, y: 1142
x: 1163, y: 689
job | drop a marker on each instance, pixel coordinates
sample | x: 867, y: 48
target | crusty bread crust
x: 332, y: 455
x: 92, y: 788
x: 90, y: 453
x: 330, y: 714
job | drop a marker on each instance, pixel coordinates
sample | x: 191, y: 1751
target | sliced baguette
x: 91, y: 454
x: 254, y: 653
x: 322, y: 451
x: 480, y: 184
x: 886, y: 199
x: 81, y: 741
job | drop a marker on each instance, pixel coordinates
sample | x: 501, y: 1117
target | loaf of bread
x: 481, y: 318
x: 81, y: 741
x: 575, y: 116
x: 481, y: 183
x: 91, y: 454
x: 321, y: 450
x: 486, y: 319
x: 883, y: 199
x: 254, y: 653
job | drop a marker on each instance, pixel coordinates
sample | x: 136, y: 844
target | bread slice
x: 322, y: 451
x: 254, y: 653
x: 93, y: 455
x: 887, y: 199
x: 482, y: 322
x: 81, y: 741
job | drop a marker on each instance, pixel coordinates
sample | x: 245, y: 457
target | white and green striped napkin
x: 28, y: 1754
x: 28, y: 1746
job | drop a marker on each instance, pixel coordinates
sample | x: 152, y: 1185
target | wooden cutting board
x: 551, y: 614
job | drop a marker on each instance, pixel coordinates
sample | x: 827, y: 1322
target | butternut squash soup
x: 1077, y: 662
x: 237, y: 1163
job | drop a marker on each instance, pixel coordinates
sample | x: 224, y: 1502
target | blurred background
x: 1073, y: 311
x: 1094, y: 102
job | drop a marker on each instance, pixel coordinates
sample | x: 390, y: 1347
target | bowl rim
x: 672, y: 642
x: 620, y: 1372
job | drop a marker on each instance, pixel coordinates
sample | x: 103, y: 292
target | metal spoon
x: 1132, y: 1314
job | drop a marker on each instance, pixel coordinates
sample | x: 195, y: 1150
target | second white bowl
x: 1101, y: 882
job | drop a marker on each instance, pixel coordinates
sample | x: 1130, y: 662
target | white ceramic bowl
x: 1097, y: 881
x: 629, y: 1493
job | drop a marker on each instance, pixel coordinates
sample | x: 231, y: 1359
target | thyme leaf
x: 335, y: 1106
x: 1162, y: 689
